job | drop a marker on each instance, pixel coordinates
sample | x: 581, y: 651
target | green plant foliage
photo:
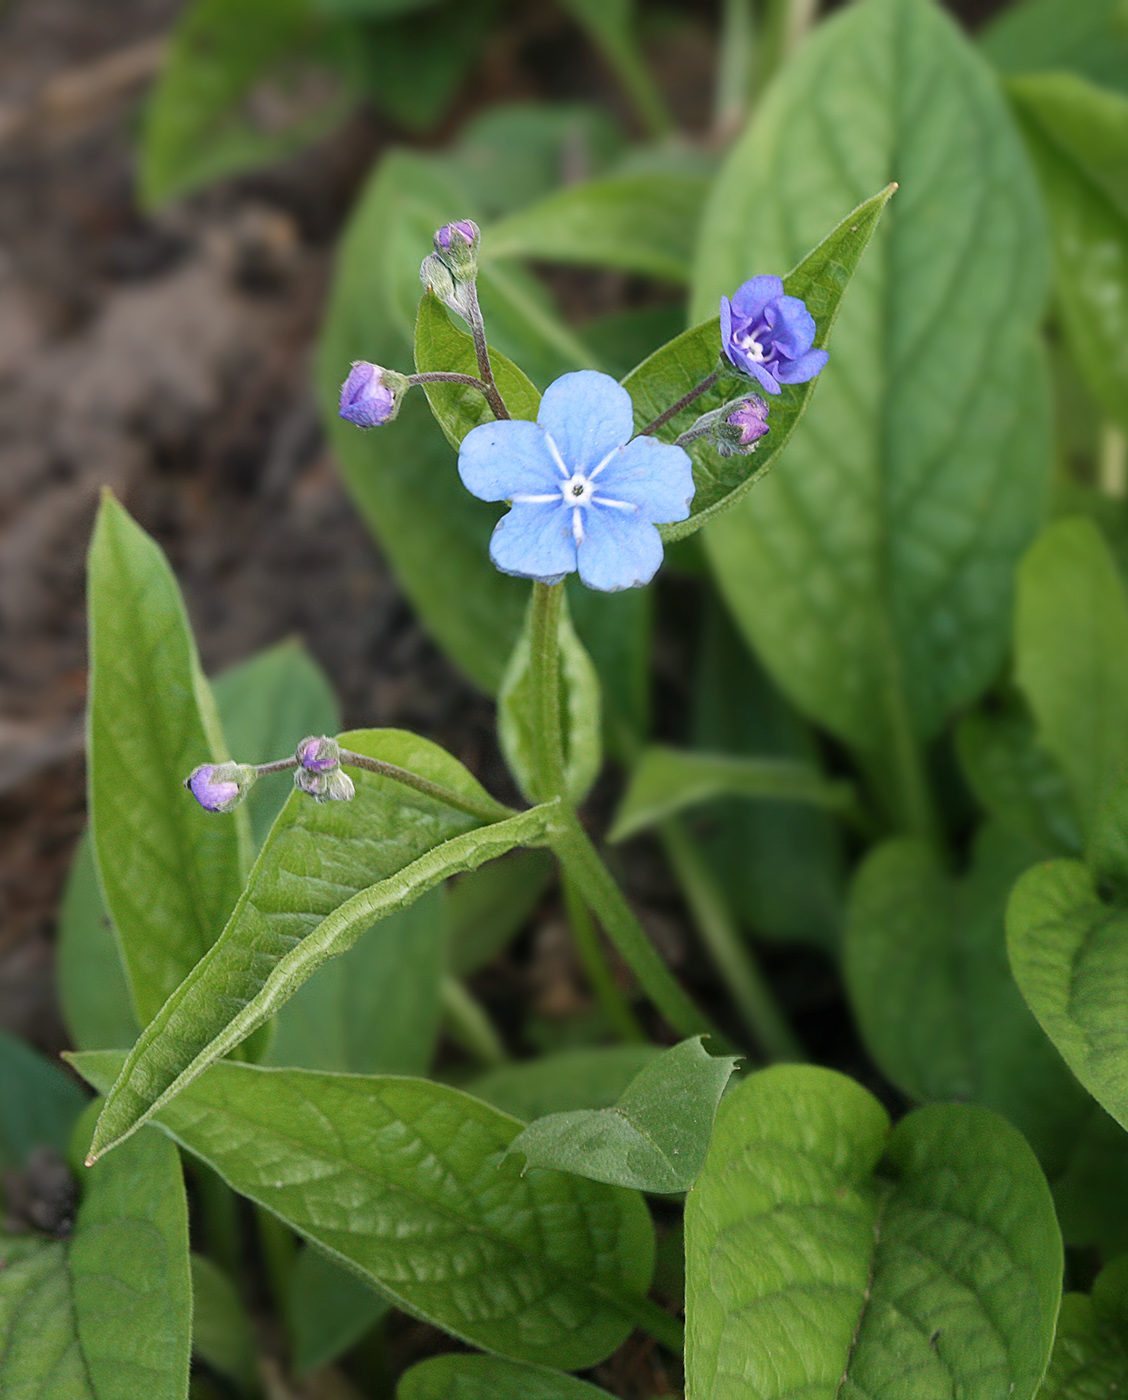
x: 1078, y: 136
x: 1090, y: 1357
x: 489, y: 1378
x: 485, y: 908
x: 38, y: 1107
x: 644, y: 223
x: 655, y: 1136
x: 667, y: 780
x: 329, y: 1309
x: 568, y: 1080
x: 543, y: 1267
x: 1071, y: 659
x: 360, y: 860
x: 615, y: 629
x: 170, y: 872
x: 808, y: 1272
x: 673, y: 370
x: 1087, y: 36
x: 221, y: 1330
x: 610, y: 24
x: 873, y: 573
x: 580, y: 712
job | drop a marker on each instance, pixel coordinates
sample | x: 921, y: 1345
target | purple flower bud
x: 218, y: 787
x: 367, y: 397
x: 334, y: 786
x: 750, y: 418
x: 319, y: 754
x: 457, y: 245
x: 466, y: 227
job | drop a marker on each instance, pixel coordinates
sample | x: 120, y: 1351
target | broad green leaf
x: 873, y: 572
x: 221, y: 1330
x: 440, y: 345
x: 245, y: 83
x: 489, y: 1378
x: 1071, y: 645
x: 1090, y: 1356
x: 655, y: 1136
x: 568, y: 1080
x: 94, y: 993
x: 267, y: 705
x: 1016, y: 780
x: 39, y: 1104
x: 327, y: 872
x: 329, y: 1308
x: 485, y: 908
x: 926, y: 966
x: 642, y: 223
x: 808, y: 1273
x: 39, y: 1349
x: 406, y: 1189
x: 1086, y: 36
x: 170, y: 872
x: 376, y: 1007
x: 580, y: 705
x: 667, y: 780
x: 820, y: 279
x: 1078, y: 136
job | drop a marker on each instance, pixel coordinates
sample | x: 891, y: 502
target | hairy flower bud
x: 371, y: 395
x: 319, y: 754
x: 332, y: 786
x: 437, y: 277
x: 218, y: 787
x: 742, y: 427
x: 456, y: 244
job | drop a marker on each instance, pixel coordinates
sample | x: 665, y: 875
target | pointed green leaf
x: 1090, y: 1357
x: 821, y: 279
x: 873, y: 571
x: 655, y: 1136
x: 489, y: 1378
x: 170, y: 872
x: 327, y: 872
x: 567, y: 1080
x: 808, y: 1273
x: 405, y: 1188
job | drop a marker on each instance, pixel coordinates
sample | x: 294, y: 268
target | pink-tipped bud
x: 218, y: 787
x: 371, y: 395
x: 319, y: 754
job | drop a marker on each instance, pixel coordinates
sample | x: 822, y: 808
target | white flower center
x: 577, y: 490
x: 752, y: 347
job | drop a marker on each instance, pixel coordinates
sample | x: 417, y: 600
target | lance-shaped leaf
x: 809, y: 1271
x: 655, y: 1136
x: 873, y: 571
x: 170, y: 871
x: 399, y: 1179
x: 821, y: 279
x: 1090, y: 1356
x: 667, y: 781
x: 327, y: 872
x: 489, y: 1378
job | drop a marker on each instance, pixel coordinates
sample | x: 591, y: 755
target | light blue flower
x: 585, y: 495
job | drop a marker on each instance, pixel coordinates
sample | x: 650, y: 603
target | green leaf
x: 1071, y: 645
x: 1078, y: 136
x: 615, y: 630
x: 39, y: 1349
x: 667, y: 780
x: 486, y: 907
x: 1088, y: 37
x: 643, y: 223
x: 370, y: 9
x: 440, y: 345
x: 94, y: 993
x: 873, y: 572
x: 580, y: 703
x: 39, y: 1105
x: 406, y: 1189
x: 1090, y: 1357
x: 327, y: 872
x: 807, y: 1273
x: 656, y: 1135
x: 330, y: 1309
x: 170, y: 872
x: 267, y: 706
x: 568, y: 1080
x: 489, y: 1378
x: 245, y: 83
x: 376, y: 1007
x: 820, y: 279
x: 221, y: 1330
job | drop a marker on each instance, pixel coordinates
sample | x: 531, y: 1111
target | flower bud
x: 218, y: 787
x: 319, y: 754
x: 438, y: 278
x: 332, y: 786
x: 456, y: 244
x: 371, y: 395
x: 742, y: 427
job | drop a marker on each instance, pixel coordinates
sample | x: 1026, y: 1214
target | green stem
x: 599, y: 975
x: 544, y: 663
x: 469, y: 1025
x: 1112, y: 461
x: 663, y: 1327
x: 720, y: 934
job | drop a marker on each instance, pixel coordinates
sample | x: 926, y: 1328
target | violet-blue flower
x: 218, y: 787
x: 584, y: 494
x: 369, y: 395
x: 769, y: 335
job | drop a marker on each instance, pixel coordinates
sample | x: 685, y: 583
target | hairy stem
x: 684, y: 402
x: 484, y: 808
x: 473, y: 313
x: 443, y: 376
x: 548, y: 730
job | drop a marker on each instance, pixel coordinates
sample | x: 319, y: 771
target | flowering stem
x: 484, y: 808
x: 548, y: 733
x: 684, y: 402
x: 442, y: 376
x: 473, y: 313
x: 599, y: 974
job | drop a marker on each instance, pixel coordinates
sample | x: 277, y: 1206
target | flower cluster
x: 768, y: 336
x: 319, y: 773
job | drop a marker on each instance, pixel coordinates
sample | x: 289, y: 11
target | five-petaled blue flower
x: 769, y: 335
x: 585, y: 495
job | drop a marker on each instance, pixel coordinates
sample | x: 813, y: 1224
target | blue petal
x: 498, y: 461
x: 618, y: 550
x: 587, y: 415
x: 804, y: 368
x: 655, y: 477
x: 749, y: 300
x: 767, y: 377
x: 792, y: 326
x: 535, y: 542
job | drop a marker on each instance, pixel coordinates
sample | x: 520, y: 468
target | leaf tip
x: 90, y: 1159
